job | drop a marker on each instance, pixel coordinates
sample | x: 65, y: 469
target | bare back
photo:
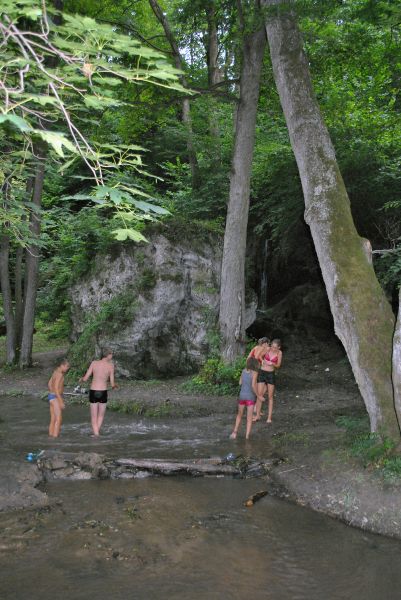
x: 56, y: 383
x: 101, y: 371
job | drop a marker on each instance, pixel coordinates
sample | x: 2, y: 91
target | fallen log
x: 162, y: 467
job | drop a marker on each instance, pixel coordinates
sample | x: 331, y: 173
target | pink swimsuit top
x: 273, y: 360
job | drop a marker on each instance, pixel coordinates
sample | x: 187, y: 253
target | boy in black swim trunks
x: 101, y: 372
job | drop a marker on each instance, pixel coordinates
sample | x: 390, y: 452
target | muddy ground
x: 314, y: 387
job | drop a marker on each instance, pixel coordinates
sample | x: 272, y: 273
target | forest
x: 271, y: 127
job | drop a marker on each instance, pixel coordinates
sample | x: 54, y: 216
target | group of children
x: 256, y: 379
x: 102, y: 372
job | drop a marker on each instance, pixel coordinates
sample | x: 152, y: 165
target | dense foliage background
x: 354, y: 52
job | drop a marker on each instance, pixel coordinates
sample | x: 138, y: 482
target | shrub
x: 217, y: 378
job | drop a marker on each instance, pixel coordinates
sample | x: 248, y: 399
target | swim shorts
x: 98, y: 396
x: 266, y: 377
x: 51, y: 397
x: 246, y: 402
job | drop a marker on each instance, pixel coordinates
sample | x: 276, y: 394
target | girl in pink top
x: 266, y: 378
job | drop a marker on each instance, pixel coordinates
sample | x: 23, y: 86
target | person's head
x: 276, y: 344
x: 63, y: 365
x: 252, y: 364
x: 263, y: 340
x: 107, y: 353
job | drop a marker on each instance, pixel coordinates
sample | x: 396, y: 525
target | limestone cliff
x: 153, y: 304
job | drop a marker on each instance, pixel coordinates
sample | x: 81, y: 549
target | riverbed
x: 174, y: 537
x: 189, y: 538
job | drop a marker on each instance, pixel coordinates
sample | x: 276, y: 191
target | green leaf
x: 19, y: 122
x: 123, y: 234
x: 146, y: 207
x: 101, y: 102
x: 56, y: 140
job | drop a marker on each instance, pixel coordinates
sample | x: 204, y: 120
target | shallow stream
x: 175, y: 537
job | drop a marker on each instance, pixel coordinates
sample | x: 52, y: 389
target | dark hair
x: 63, y: 361
x: 252, y: 364
x: 263, y: 340
x: 105, y: 352
x: 277, y: 342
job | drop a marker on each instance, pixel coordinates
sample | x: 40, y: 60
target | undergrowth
x: 216, y: 378
x: 375, y: 451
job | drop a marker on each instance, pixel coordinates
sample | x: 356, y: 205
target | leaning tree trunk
x: 363, y: 318
x: 232, y: 292
x: 32, y: 270
x: 7, y: 298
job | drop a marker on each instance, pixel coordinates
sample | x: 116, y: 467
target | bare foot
x: 268, y: 420
x: 233, y: 435
x: 255, y: 419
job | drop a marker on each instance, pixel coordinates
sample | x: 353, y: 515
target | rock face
x: 158, y: 303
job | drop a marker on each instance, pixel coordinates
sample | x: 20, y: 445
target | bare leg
x: 55, y: 418
x: 270, y: 391
x: 258, y: 406
x: 94, y: 407
x: 52, y: 420
x: 249, y: 421
x: 237, y: 422
x: 100, y: 415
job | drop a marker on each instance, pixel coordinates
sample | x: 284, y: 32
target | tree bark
x: 232, y: 293
x: 363, y: 318
x: 32, y: 269
x: 214, y: 75
x: 186, y: 108
x: 397, y: 362
x: 7, y: 298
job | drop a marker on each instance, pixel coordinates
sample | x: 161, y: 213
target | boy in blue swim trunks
x: 55, y: 397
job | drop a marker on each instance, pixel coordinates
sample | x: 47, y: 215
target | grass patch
x: 43, y: 341
x: 141, y: 409
x: 287, y: 439
x: 374, y: 451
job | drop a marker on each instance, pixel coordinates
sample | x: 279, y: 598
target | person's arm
x: 280, y: 356
x: 255, y: 382
x: 58, y: 388
x: 240, y: 380
x: 112, y: 382
x: 259, y: 353
x: 88, y: 373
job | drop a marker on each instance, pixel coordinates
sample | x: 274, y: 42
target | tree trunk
x: 232, y: 293
x: 32, y: 270
x: 397, y: 362
x: 19, y: 281
x: 7, y: 298
x: 186, y: 109
x: 19, y: 297
x: 214, y: 75
x: 363, y: 318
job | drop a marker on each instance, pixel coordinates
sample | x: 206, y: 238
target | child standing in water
x: 55, y: 396
x: 247, y: 396
x: 101, y: 371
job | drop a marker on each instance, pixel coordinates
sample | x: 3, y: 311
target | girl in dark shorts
x: 247, y: 396
x: 266, y: 378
